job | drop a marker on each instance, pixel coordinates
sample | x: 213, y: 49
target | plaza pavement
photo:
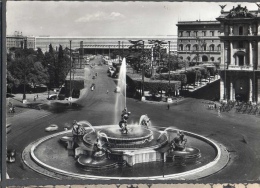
x: 239, y: 133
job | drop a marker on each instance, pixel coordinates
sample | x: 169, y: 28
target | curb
x: 218, y: 163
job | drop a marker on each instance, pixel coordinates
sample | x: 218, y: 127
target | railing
x: 198, y: 51
x: 237, y: 67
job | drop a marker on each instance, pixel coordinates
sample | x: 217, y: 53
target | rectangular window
x: 204, y: 33
x: 195, y: 33
x: 180, y: 33
x: 212, y: 33
x: 188, y: 33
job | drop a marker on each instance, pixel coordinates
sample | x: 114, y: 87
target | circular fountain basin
x: 49, y: 157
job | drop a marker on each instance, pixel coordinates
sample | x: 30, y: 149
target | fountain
x: 126, y: 145
x: 129, y: 144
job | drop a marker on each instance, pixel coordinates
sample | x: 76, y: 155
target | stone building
x: 198, y: 41
x: 19, y: 41
x: 240, y: 46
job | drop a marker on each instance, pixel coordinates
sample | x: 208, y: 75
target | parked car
x: 10, y: 157
x: 52, y: 127
x: 52, y: 97
x: 117, y: 90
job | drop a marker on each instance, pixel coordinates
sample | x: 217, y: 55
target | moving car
x: 53, y: 97
x: 51, y: 128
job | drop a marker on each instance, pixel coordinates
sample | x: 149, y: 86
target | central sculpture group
x: 110, y: 147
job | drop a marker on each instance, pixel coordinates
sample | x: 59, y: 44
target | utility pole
x: 70, y: 68
x: 123, y: 48
x: 109, y: 52
x: 143, y: 71
x: 118, y: 51
x: 169, y: 62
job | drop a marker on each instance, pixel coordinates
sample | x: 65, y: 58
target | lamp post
x: 70, y: 68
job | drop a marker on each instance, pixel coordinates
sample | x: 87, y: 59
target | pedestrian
x: 34, y: 98
x: 37, y: 96
x: 215, y: 106
x: 168, y: 106
x: 219, y: 112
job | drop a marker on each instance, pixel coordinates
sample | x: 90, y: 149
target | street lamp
x: 70, y: 68
x: 143, y: 70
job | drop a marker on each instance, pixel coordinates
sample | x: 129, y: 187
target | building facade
x: 240, y: 69
x: 101, y: 45
x: 198, y: 41
x: 20, y: 41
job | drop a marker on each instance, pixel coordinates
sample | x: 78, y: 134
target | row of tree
x: 190, y: 76
x: 27, y: 67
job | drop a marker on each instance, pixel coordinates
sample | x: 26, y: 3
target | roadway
x: 238, y: 132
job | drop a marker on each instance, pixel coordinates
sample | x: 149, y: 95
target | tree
x: 11, y: 81
x: 51, y: 49
x: 39, y: 55
x: 22, y: 70
x: 38, y: 75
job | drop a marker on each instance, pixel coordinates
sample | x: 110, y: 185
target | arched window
x: 181, y: 47
x: 211, y: 47
x: 240, y: 30
x: 219, y: 47
x: 212, y: 59
x: 219, y: 59
x: 195, y: 47
x: 204, y: 47
x: 188, y: 47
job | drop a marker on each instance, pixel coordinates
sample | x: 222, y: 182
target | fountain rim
x: 124, y: 139
x: 182, y: 175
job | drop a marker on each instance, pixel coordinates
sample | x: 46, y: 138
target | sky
x: 90, y: 18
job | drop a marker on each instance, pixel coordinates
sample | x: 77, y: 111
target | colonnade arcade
x: 240, y: 86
